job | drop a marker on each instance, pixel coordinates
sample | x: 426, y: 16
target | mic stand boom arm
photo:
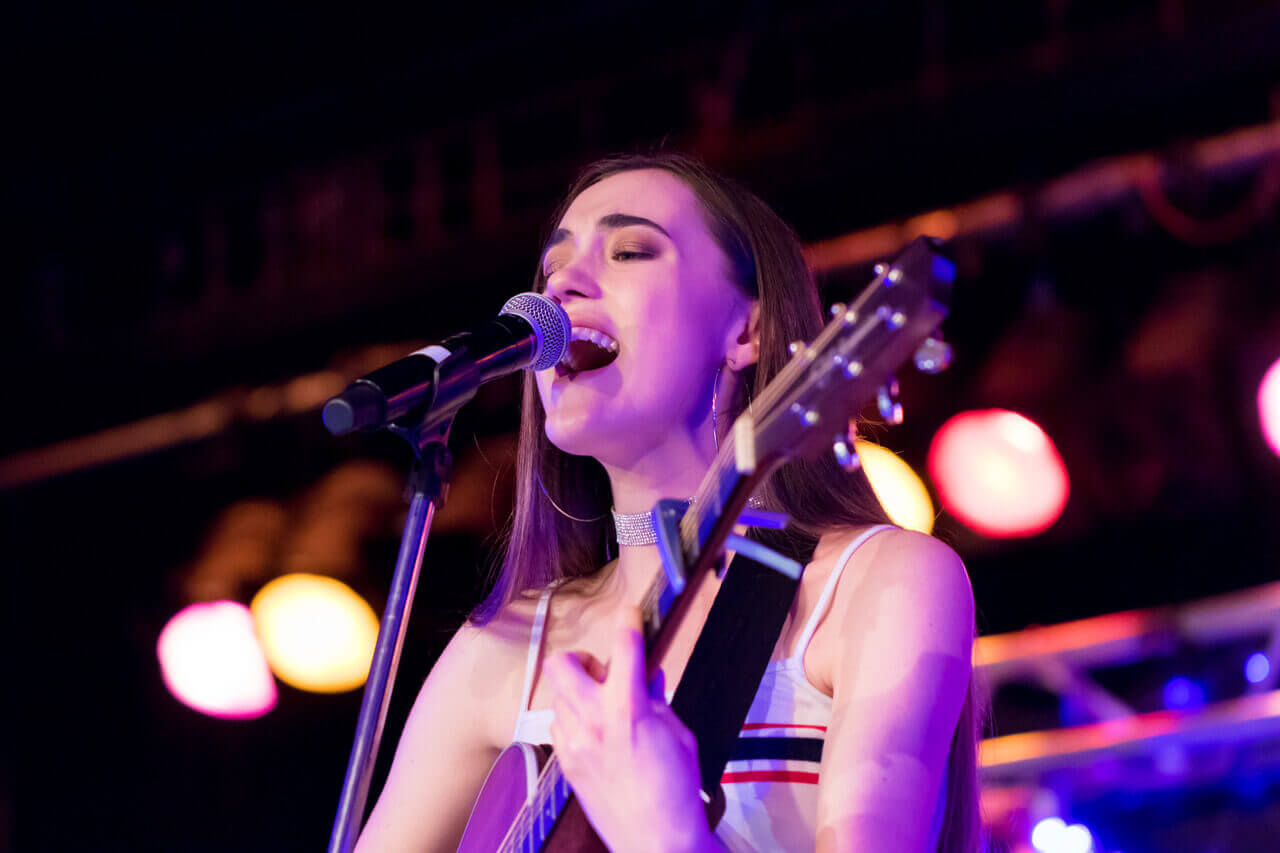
x: 428, y: 484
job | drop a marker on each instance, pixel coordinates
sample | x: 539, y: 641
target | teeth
x: 597, y: 337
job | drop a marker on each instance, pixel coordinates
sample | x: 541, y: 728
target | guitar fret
x: 549, y: 814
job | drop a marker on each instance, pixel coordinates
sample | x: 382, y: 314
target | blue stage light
x: 1183, y: 694
x: 1257, y: 668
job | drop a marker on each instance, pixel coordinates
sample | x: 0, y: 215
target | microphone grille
x: 550, y: 326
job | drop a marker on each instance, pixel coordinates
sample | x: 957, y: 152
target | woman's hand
x: 632, y: 764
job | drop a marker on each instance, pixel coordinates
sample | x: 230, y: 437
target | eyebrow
x: 611, y: 221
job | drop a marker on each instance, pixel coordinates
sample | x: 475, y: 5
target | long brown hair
x: 767, y: 263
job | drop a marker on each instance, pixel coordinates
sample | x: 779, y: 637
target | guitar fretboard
x: 531, y: 829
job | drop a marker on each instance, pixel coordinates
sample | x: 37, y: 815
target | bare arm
x: 445, y: 750
x: 900, y: 667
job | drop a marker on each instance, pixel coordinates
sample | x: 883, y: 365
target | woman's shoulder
x: 910, y: 578
x: 506, y: 629
x: 886, y: 551
x: 483, y: 666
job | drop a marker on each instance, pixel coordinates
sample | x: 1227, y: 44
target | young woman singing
x: 684, y: 290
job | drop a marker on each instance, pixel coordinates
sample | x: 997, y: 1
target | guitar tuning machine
x: 933, y: 356
x: 841, y: 311
x: 892, y: 275
x: 810, y: 417
x: 846, y: 453
x: 887, y: 402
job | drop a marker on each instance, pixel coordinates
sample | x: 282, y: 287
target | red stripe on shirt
x: 751, y: 727
x: 769, y: 776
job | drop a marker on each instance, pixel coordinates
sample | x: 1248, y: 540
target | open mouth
x: 589, y: 349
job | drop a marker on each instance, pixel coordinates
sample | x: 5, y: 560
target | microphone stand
x: 428, y: 484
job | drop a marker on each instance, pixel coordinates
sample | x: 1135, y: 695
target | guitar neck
x: 710, y: 518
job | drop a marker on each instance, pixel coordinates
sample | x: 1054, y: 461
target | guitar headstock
x: 806, y: 409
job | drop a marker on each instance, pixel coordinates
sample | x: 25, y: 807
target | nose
x: 572, y: 281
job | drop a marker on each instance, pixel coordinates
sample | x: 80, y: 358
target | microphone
x: 531, y: 331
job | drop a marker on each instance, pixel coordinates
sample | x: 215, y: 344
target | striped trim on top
x: 766, y: 757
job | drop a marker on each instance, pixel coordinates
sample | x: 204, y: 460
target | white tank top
x: 771, y: 781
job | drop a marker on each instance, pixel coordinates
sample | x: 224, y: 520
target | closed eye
x: 631, y: 255
x: 627, y: 251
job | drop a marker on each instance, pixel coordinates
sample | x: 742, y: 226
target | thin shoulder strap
x: 828, y: 591
x: 535, y: 648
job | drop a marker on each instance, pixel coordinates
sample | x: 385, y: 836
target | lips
x: 589, y: 349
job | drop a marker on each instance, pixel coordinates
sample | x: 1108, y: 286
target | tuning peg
x: 809, y: 416
x: 933, y: 356
x: 892, y: 318
x: 892, y: 275
x: 852, y: 369
x: 887, y: 402
x: 846, y: 453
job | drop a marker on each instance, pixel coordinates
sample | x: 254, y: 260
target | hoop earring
x: 560, y: 510
x: 715, y: 391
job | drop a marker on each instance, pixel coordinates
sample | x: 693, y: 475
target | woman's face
x: 632, y: 259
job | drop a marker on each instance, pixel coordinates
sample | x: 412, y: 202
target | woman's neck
x: 674, y: 470
x: 636, y: 491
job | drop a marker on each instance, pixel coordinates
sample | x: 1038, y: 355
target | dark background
x: 204, y: 202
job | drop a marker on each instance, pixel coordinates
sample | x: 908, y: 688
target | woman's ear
x: 744, y: 343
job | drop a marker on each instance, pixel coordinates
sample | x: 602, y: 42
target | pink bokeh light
x: 1269, y: 406
x: 211, y: 661
x: 999, y: 473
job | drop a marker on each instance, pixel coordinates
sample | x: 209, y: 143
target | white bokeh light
x: 211, y: 661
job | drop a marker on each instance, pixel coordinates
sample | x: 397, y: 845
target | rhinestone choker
x: 635, y: 528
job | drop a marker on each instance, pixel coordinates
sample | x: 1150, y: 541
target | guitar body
x: 509, y: 787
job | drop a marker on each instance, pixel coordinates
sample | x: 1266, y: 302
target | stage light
x: 1257, y: 668
x: 1076, y: 838
x: 1046, y: 833
x: 1054, y: 835
x: 901, y: 493
x: 211, y: 661
x: 1183, y: 694
x: 317, y: 633
x: 998, y: 472
x: 1269, y: 406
